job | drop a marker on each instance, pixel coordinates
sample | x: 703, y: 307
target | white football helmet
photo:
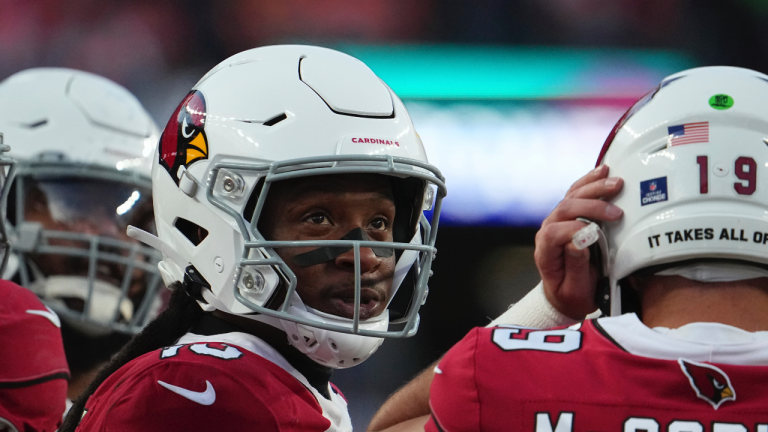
x: 83, y: 146
x: 276, y: 113
x: 693, y: 154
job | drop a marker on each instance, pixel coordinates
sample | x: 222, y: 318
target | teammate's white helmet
x: 693, y: 154
x: 83, y: 146
x: 270, y: 114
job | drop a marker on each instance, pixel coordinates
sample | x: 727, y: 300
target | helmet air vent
x: 192, y: 231
x: 36, y: 124
x: 275, y: 120
x: 659, y: 148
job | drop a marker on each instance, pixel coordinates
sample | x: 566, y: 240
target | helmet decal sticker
x: 689, y: 133
x: 721, y: 102
x: 184, y: 141
x: 357, y: 140
x: 709, y: 382
x: 630, y: 112
x: 653, y: 191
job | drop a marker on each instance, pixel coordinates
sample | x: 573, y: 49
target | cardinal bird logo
x: 184, y: 141
x: 709, y: 382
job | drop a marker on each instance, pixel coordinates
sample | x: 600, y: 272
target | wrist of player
x: 533, y: 310
x: 567, y: 306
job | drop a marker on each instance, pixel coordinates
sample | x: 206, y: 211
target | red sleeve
x: 453, y: 395
x: 139, y: 402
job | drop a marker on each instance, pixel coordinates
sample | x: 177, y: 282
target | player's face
x: 94, y: 209
x: 327, y: 208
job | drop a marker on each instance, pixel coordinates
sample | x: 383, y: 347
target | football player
x: 33, y: 368
x: 289, y: 189
x: 683, y: 275
x: 82, y: 145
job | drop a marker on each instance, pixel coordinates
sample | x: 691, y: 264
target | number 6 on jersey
x: 519, y: 338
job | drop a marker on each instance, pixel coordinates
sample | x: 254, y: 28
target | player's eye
x: 318, y: 218
x: 379, y: 224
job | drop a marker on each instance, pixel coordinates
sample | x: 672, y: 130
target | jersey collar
x: 214, y: 329
x: 707, y: 342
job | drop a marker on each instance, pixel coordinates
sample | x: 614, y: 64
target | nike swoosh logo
x: 51, y: 315
x: 207, y: 397
x: 438, y: 370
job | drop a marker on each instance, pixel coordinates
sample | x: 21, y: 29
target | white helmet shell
x: 86, y: 117
x: 692, y: 154
x: 253, y: 119
x: 75, y: 134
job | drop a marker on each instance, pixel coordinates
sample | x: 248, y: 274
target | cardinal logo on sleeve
x: 709, y: 382
x: 184, y: 141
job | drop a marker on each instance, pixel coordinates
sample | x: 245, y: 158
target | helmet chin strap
x: 330, y: 253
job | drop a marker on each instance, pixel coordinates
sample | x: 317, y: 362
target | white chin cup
x: 329, y: 348
x: 104, y: 300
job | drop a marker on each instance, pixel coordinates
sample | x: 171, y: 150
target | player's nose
x: 368, y: 260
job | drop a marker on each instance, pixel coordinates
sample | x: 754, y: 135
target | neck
x: 674, y: 301
x: 317, y: 374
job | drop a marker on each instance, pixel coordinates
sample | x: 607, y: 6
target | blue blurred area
x: 478, y: 72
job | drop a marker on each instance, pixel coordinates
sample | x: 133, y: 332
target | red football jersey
x: 33, y: 368
x: 609, y: 374
x: 226, y: 382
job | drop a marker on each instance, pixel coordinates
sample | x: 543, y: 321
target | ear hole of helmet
x: 192, y: 231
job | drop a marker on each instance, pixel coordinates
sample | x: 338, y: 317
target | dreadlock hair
x: 182, y: 312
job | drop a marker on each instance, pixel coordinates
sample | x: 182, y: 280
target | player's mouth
x: 343, y: 303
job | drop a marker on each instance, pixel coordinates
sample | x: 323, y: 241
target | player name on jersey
x: 568, y: 422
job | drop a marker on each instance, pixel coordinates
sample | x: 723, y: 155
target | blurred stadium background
x: 512, y: 99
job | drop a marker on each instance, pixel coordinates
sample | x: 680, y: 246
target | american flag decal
x: 689, y: 133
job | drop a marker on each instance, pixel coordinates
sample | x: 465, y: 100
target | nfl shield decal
x: 184, y: 141
x: 653, y: 191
